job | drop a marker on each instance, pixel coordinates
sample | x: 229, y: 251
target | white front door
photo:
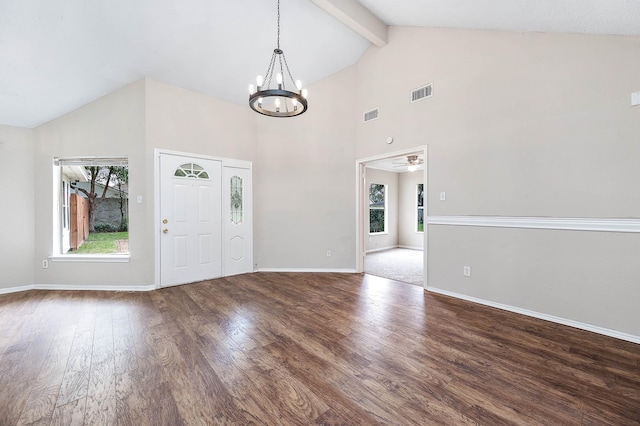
x: 237, y: 220
x: 190, y: 215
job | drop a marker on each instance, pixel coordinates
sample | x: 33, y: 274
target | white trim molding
x: 380, y: 249
x: 338, y: 271
x: 17, y: 289
x: 98, y: 258
x: 559, y: 320
x: 411, y: 248
x: 556, y: 223
x: 128, y: 288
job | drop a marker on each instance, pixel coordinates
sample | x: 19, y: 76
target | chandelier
x: 286, y: 98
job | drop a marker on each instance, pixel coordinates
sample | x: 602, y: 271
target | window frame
x: 58, y: 253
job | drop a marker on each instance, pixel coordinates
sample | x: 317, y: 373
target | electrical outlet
x: 45, y: 264
x: 443, y: 196
x: 328, y: 253
x: 466, y: 271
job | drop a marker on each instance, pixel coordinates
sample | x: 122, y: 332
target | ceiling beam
x: 358, y: 18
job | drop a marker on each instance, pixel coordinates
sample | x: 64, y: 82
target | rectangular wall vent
x: 421, y: 93
x: 371, y: 115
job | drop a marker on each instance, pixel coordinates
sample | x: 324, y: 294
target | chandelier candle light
x: 278, y: 101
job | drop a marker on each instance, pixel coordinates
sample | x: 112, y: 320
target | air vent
x: 371, y: 115
x: 421, y: 93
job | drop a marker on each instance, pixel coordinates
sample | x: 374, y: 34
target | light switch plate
x: 635, y: 98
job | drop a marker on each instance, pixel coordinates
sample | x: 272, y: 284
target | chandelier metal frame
x: 278, y: 101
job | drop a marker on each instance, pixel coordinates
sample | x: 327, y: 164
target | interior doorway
x: 391, y: 234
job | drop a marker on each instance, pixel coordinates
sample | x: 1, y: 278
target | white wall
x: 588, y: 277
x: 520, y: 124
x: 182, y: 120
x: 304, y: 182
x: 408, y: 236
x: 110, y: 126
x: 178, y: 119
x: 388, y: 239
x: 131, y: 122
x: 17, y: 185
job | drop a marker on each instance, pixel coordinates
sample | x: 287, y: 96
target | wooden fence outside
x: 79, y: 223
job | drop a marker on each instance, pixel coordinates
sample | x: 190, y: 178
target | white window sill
x: 378, y: 233
x: 100, y: 258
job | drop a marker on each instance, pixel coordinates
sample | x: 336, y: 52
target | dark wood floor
x: 275, y: 348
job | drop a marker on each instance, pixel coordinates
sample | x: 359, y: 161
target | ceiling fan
x: 412, y: 163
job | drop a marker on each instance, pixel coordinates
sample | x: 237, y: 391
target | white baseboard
x: 16, y: 289
x: 380, y: 249
x: 95, y: 287
x: 411, y: 248
x: 339, y: 271
x: 78, y: 287
x: 534, y: 314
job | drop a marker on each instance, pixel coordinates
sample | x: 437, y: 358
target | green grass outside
x: 102, y: 243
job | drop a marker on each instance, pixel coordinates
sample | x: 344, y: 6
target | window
x: 377, y: 208
x: 420, y: 203
x: 191, y: 170
x: 93, y: 206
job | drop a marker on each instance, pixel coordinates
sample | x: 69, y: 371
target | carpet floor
x: 397, y: 264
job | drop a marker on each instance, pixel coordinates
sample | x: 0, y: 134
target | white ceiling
x: 57, y: 55
x: 564, y: 16
x: 396, y: 164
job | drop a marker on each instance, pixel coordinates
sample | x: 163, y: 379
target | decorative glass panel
x: 236, y: 200
x: 191, y: 170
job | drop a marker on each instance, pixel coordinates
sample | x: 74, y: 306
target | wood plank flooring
x: 297, y: 349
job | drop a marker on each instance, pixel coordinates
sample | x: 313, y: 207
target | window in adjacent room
x: 377, y: 208
x: 420, y: 206
x: 93, y: 206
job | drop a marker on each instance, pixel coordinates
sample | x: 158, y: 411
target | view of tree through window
x: 94, y: 205
x: 420, y: 200
x: 377, y: 205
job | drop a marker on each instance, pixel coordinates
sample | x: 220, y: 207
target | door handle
x: 165, y: 230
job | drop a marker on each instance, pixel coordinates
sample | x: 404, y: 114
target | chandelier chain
x: 279, y: 101
x: 278, y: 24
x: 288, y: 70
x: 269, y: 74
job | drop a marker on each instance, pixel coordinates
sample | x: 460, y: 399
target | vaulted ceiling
x: 58, y: 55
